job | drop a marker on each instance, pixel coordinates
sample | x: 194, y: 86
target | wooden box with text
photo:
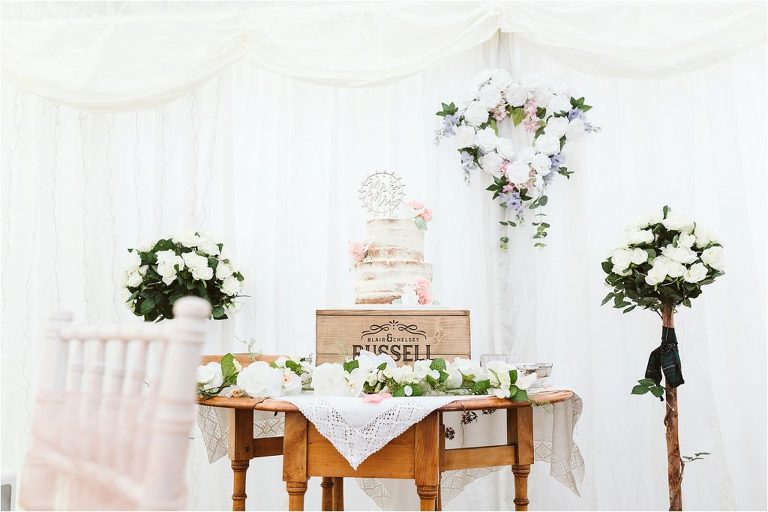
x: 406, y: 334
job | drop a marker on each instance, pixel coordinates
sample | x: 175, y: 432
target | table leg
x: 327, y: 485
x: 439, y: 499
x: 240, y: 452
x: 295, y: 459
x: 521, y: 486
x: 338, y: 493
x: 427, y: 459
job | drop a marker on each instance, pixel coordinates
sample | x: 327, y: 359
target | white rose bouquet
x: 664, y: 261
x: 189, y: 264
x: 550, y: 117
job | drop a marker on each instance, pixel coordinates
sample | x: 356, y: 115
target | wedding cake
x: 394, y: 261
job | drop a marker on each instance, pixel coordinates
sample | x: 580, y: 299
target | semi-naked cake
x: 395, y: 259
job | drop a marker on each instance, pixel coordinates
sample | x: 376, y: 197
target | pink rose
x: 425, y: 297
x: 415, y: 205
x: 422, y: 284
x: 358, y: 250
x: 374, y: 399
x: 508, y: 188
x: 426, y: 215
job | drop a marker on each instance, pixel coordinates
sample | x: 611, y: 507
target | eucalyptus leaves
x: 188, y: 264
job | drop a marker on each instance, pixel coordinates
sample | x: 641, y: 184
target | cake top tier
x: 395, y: 233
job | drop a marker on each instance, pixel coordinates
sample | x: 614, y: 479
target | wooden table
x: 418, y: 454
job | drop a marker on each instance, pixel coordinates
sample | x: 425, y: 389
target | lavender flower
x: 511, y: 200
x: 575, y: 114
x: 467, y: 164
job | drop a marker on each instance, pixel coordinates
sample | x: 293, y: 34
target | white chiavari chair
x: 117, y: 436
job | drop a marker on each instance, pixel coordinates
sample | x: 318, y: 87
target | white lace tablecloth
x: 358, y: 429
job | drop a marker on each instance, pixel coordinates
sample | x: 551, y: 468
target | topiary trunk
x: 674, y: 461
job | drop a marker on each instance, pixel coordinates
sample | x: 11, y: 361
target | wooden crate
x: 405, y: 334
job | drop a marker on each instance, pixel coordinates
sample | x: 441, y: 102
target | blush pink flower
x: 508, y: 188
x: 376, y: 398
x: 422, y: 285
x: 425, y: 297
x: 415, y: 205
x: 426, y: 215
x: 358, y: 250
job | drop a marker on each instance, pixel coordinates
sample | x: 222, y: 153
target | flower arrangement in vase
x: 170, y: 268
x: 663, y: 263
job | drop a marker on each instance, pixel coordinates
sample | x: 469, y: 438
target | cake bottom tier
x: 381, y: 282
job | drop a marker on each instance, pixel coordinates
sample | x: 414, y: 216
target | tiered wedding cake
x: 395, y: 260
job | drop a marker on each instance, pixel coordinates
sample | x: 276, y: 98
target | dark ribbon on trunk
x: 665, y: 359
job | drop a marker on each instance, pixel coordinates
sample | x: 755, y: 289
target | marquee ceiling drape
x: 119, y: 56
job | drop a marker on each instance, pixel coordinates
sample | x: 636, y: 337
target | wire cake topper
x: 381, y: 193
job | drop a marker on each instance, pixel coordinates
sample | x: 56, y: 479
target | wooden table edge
x: 277, y: 405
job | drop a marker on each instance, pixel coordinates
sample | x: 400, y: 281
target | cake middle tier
x: 380, y: 282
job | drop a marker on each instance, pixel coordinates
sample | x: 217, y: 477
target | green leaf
x: 421, y: 224
x: 146, y: 306
x: 351, y: 365
x: 520, y: 396
x: 607, y: 266
x: 657, y: 391
x: 607, y: 298
x: 699, y: 454
x: 639, y: 390
x: 228, y: 368
x: 438, y: 364
x: 630, y: 308
x: 647, y: 382
x: 517, y: 115
x: 666, y: 210
x: 218, y: 312
x: 481, y: 387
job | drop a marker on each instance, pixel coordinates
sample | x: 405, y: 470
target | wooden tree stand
x: 674, y: 461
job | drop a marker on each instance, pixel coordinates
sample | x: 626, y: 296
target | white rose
x: 621, y: 259
x: 482, y: 77
x: 467, y: 368
x: 505, y: 148
x: 261, y: 380
x: 575, y: 129
x: 134, y: 279
x: 525, y: 381
x: 679, y: 254
x: 476, y: 114
x: 401, y: 374
x: 548, y: 144
x: 455, y: 378
x: 143, y: 269
x: 330, y: 379
x: 491, y: 162
x: 210, y: 376
x: 686, y: 240
x: 559, y: 103
x: 223, y: 271
x: 167, y: 272
x: 556, y: 127
x: 486, y: 139
x: 501, y: 78
x: 188, y: 239
x: 703, y: 237
x: 657, y: 274
x: 542, y: 95
x: 498, y: 373
x: 542, y: 164
x: 208, y: 246
x: 489, y: 96
x: 675, y: 269
x: 516, y: 95
x: 291, y: 383
x: 422, y: 370
x: 169, y: 258
x: 465, y: 136
x: 357, y: 379
x: 133, y: 261
x: 231, y: 286
x: 638, y: 256
x: 639, y: 236
x: 675, y: 222
x: 714, y: 257
x: 518, y: 172
x: 696, y: 273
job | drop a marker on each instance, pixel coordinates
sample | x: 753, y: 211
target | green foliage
x: 448, y: 109
x: 648, y: 385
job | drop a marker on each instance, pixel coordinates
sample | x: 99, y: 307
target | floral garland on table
x: 364, y: 375
x: 284, y: 377
x: 189, y: 264
x: 550, y: 117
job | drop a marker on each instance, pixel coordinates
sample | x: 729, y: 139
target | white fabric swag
x: 134, y: 55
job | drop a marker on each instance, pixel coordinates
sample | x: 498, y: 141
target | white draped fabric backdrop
x: 267, y: 153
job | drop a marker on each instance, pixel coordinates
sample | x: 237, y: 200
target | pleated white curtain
x: 271, y: 165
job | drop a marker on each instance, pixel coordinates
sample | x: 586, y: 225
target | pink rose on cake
x: 358, y: 250
x: 424, y: 292
x: 422, y: 213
